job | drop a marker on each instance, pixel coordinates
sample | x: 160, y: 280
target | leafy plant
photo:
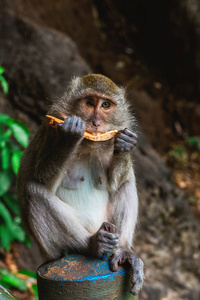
x: 22, y: 281
x: 13, y: 139
x: 3, y: 81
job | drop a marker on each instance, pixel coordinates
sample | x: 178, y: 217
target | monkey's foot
x: 136, y: 265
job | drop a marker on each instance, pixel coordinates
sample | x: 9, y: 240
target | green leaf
x: 4, y: 136
x: 12, y: 280
x: 5, y: 181
x: 5, y: 214
x: 12, y: 202
x: 15, y: 159
x: 4, y: 118
x: 4, y: 84
x: 5, y: 158
x: 12, y: 225
x: 20, y: 132
x: 18, y: 233
x: 1, y: 70
x: 35, y: 290
x: 6, y: 237
x: 28, y: 273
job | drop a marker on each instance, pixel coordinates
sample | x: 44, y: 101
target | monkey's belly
x: 89, y: 202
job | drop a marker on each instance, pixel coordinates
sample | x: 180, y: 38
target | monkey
x: 77, y: 195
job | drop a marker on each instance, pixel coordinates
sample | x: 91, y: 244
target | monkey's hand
x: 124, y: 141
x: 119, y: 257
x: 73, y: 127
x: 105, y: 240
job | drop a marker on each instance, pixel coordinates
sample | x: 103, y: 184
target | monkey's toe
x: 137, y: 284
x: 137, y: 281
x: 114, y: 265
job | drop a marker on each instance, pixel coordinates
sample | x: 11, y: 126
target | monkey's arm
x: 121, y: 165
x: 59, y: 147
x: 54, y: 224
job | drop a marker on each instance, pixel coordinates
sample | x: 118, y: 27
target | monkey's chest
x: 84, y: 188
x: 83, y: 178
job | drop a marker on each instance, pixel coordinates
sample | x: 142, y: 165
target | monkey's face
x: 97, y: 112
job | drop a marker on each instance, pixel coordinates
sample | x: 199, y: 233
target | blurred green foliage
x: 180, y: 152
x: 183, y: 152
x: 9, y: 280
x: 4, y: 83
x: 194, y: 142
x: 13, y: 139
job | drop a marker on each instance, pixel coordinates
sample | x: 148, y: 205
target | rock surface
x: 168, y: 237
x: 38, y: 63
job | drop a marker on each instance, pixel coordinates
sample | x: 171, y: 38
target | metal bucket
x: 77, y: 277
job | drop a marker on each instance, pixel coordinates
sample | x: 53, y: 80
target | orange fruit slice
x: 95, y: 136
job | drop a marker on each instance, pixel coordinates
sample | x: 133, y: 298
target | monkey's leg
x: 54, y: 224
x: 124, y: 216
x: 119, y: 257
x: 137, y: 273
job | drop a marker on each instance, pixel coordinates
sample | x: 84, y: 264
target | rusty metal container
x: 77, y: 277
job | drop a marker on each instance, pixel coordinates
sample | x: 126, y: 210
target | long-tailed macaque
x: 79, y: 196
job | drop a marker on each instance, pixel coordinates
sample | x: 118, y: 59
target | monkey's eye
x: 90, y: 103
x: 106, y: 104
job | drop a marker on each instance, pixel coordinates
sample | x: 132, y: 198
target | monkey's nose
x: 96, y: 123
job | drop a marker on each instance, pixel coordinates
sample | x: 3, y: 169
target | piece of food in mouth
x: 95, y: 136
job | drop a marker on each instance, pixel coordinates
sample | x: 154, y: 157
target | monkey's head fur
x: 95, y: 85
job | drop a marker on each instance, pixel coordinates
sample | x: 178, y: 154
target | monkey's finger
x: 108, y: 235
x: 111, y: 243
x: 130, y: 133
x: 106, y: 248
x: 127, y: 138
x: 67, y: 125
x: 79, y: 126
x: 74, y: 123
x: 108, y: 227
x: 63, y: 127
x: 114, y: 264
x: 123, y: 146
